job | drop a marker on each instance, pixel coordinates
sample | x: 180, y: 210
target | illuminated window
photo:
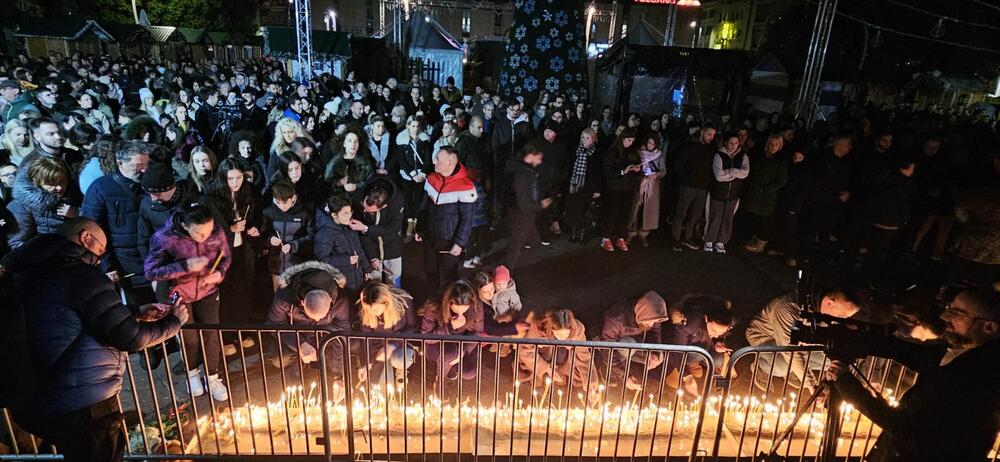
x: 466, y: 23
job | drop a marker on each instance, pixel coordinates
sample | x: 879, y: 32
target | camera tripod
x: 831, y: 428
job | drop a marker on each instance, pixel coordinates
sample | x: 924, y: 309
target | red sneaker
x: 607, y: 245
x: 622, y: 245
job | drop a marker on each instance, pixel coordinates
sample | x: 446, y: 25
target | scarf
x: 649, y: 170
x: 579, y: 173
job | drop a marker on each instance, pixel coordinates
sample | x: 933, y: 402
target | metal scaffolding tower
x: 303, y: 39
x: 808, y: 101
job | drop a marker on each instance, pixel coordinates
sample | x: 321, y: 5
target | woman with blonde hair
x: 555, y: 362
x: 584, y: 184
x: 770, y: 175
x: 386, y: 309
x: 200, y: 167
x: 285, y: 132
x: 16, y: 143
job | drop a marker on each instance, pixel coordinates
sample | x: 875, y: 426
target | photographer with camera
x: 773, y: 326
x: 951, y: 412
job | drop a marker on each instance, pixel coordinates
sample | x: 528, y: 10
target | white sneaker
x: 194, y: 381
x: 469, y: 264
x: 218, y: 389
x: 720, y: 248
x: 477, y: 261
x: 708, y: 247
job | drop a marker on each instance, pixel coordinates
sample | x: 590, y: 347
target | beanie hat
x: 158, y: 178
x: 333, y: 106
x: 501, y: 274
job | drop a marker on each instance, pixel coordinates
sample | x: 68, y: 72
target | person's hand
x: 214, y: 278
x: 655, y: 359
x: 67, y: 211
x: 180, y: 312
x: 152, y: 312
x: 522, y: 327
x: 558, y: 378
x: 834, y: 370
x: 381, y: 171
x: 458, y: 322
x: 350, y: 187
x: 275, y: 241
x: 844, y: 196
x: 238, y: 227
x: 357, y: 226
x: 597, y: 195
x: 720, y: 347
x: 286, y: 248
x: 633, y: 384
x: 362, y: 374
x: 196, y: 264
x: 307, y: 353
x: 420, y: 178
x: 456, y: 250
x: 376, y: 264
x: 113, y: 276
x: 253, y: 232
x: 416, y: 237
x: 633, y: 168
x: 547, y: 202
x: 691, y: 385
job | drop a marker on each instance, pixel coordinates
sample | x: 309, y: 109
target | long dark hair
x: 460, y: 293
x: 220, y: 188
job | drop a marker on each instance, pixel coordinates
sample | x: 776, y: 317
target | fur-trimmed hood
x: 310, y: 275
x: 403, y: 137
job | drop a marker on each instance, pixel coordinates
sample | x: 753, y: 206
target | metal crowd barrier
x: 386, y: 397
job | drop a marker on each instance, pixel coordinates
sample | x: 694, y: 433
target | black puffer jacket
x: 295, y: 228
x: 384, y: 238
x: 113, y: 202
x: 153, y: 215
x: 77, y: 327
x: 34, y: 212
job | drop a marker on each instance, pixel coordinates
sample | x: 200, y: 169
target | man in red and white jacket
x: 447, y: 215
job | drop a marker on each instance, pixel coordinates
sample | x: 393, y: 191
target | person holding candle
x: 192, y: 254
x: 386, y: 309
x: 557, y: 363
x: 704, y: 322
x: 458, y: 312
x: 633, y: 320
x: 338, y: 245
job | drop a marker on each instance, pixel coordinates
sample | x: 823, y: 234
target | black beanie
x: 158, y: 178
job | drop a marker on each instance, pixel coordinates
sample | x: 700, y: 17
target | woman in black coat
x: 584, y: 184
x: 622, y: 172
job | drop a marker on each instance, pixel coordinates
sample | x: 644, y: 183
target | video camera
x: 843, y: 339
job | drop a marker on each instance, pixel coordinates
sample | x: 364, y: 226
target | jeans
x: 522, y: 232
x: 93, y: 433
x: 469, y: 351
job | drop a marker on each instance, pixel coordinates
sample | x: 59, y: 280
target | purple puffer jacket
x: 169, y: 250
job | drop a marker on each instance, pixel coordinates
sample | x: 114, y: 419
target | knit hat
x: 333, y: 106
x: 501, y: 274
x: 158, y: 178
x: 9, y: 83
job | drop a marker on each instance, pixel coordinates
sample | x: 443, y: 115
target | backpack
x: 18, y: 389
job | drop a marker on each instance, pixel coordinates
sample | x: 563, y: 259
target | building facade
x: 737, y: 24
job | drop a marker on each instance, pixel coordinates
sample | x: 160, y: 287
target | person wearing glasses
x: 950, y: 412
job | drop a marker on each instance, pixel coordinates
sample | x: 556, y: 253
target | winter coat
x: 335, y: 244
x: 381, y: 151
x: 113, y: 202
x: 474, y: 154
x: 384, y: 239
x: 70, y: 158
x: 449, y: 207
x: 408, y: 324
x: 295, y: 283
x: 153, y: 215
x: 498, y: 325
x: 525, y: 190
x: 553, y: 173
x: 770, y: 174
x: 431, y: 322
x: 295, y: 228
x: 169, y: 250
x: 891, y: 203
x: 622, y: 319
x: 729, y: 172
x: 357, y: 170
x: 507, y: 302
x: 615, y: 161
x: 832, y: 176
x: 593, y: 178
x: 508, y: 136
x: 694, y: 164
x: 556, y: 359
x: 646, y: 207
x: 413, y: 157
x: 950, y: 412
x: 34, y: 212
x: 77, y: 329
x: 797, y: 189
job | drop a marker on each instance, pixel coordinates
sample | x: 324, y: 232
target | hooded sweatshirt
x: 625, y: 318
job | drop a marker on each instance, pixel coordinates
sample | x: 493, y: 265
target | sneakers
x: 708, y: 247
x: 217, y: 388
x: 720, y: 248
x: 621, y: 245
x: 677, y: 247
x: 607, y: 245
x: 471, y: 263
x: 194, y: 382
x: 546, y: 243
x: 690, y: 244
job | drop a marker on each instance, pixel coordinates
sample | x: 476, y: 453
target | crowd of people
x: 249, y: 198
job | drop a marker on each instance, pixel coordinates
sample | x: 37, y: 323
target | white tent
x: 428, y: 41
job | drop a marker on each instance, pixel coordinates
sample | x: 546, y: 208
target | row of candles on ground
x: 380, y: 415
